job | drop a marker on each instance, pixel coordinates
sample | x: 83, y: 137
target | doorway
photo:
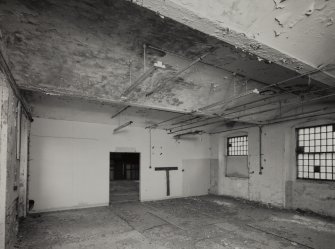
x: 124, y: 176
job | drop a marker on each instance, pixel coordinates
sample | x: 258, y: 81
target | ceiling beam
x: 227, y: 34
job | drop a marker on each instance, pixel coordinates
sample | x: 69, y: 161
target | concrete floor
x: 198, y: 222
x: 122, y: 191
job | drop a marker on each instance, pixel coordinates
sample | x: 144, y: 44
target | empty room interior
x: 167, y: 124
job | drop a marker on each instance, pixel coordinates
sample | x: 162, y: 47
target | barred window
x: 238, y: 146
x: 316, y: 152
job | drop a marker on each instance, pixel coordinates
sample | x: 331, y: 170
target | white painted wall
x: 195, y: 169
x: 69, y: 165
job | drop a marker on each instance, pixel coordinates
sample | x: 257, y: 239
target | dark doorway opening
x: 124, y: 176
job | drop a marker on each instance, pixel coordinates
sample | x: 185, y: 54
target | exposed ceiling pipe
x: 271, y: 109
x: 253, y: 107
x: 253, y: 102
x: 137, y: 82
x: 253, y: 113
x: 234, y: 118
x: 298, y: 76
x: 218, y: 121
x: 260, y: 90
x: 121, y: 111
x: 162, y: 84
x: 290, y: 104
x: 5, y: 68
x: 320, y: 90
x: 283, y: 119
x: 235, y: 129
x: 293, y: 118
x: 196, y: 122
x: 122, y: 126
x: 260, y: 100
x: 167, y: 120
x: 221, y: 102
x: 299, y: 114
x: 271, y: 97
x: 315, y: 99
x: 296, y: 118
x: 215, y: 122
x: 186, y: 121
x: 198, y: 132
x: 211, y: 118
x: 211, y: 65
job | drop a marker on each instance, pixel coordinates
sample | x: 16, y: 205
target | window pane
x: 237, y: 146
x: 316, y: 152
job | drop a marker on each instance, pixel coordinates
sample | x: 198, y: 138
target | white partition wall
x: 69, y: 162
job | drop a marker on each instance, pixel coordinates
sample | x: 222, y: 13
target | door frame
x: 139, y: 172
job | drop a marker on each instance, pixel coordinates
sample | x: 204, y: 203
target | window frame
x: 314, y: 153
x: 231, y: 137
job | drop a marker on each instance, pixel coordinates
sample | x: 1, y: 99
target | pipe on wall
x: 260, y: 150
x: 167, y: 120
x: 150, y: 149
x: 321, y: 68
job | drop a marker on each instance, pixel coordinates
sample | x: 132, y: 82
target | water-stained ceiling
x: 106, y: 51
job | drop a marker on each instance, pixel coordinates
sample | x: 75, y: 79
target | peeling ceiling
x: 303, y: 29
x: 297, y: 34
x: 94, y: 50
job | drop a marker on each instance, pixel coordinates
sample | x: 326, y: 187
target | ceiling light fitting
x: 197, y: 132
x: 122, y: 126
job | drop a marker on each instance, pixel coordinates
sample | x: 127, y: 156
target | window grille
x: 238, y: 146
x: 316, y: 152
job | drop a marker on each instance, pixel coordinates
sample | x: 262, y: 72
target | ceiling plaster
x: 93, y: 50
x: 297, y: 34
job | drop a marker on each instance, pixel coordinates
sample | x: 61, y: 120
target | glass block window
x: 316, y: 152
x: 238, y: 146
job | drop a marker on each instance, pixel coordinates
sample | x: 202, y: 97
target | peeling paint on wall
x: 279, y: 4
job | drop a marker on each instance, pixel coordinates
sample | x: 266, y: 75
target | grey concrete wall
x: 315, y: 196
x: 277, y: 183
x: 3, y: 164
x: 237, y: 166
x: 12, y: 171
x: 9, y: 165
x: 213, y: 188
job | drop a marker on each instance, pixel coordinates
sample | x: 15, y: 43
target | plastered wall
x: 69, y: 163
x: 277, y: 183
